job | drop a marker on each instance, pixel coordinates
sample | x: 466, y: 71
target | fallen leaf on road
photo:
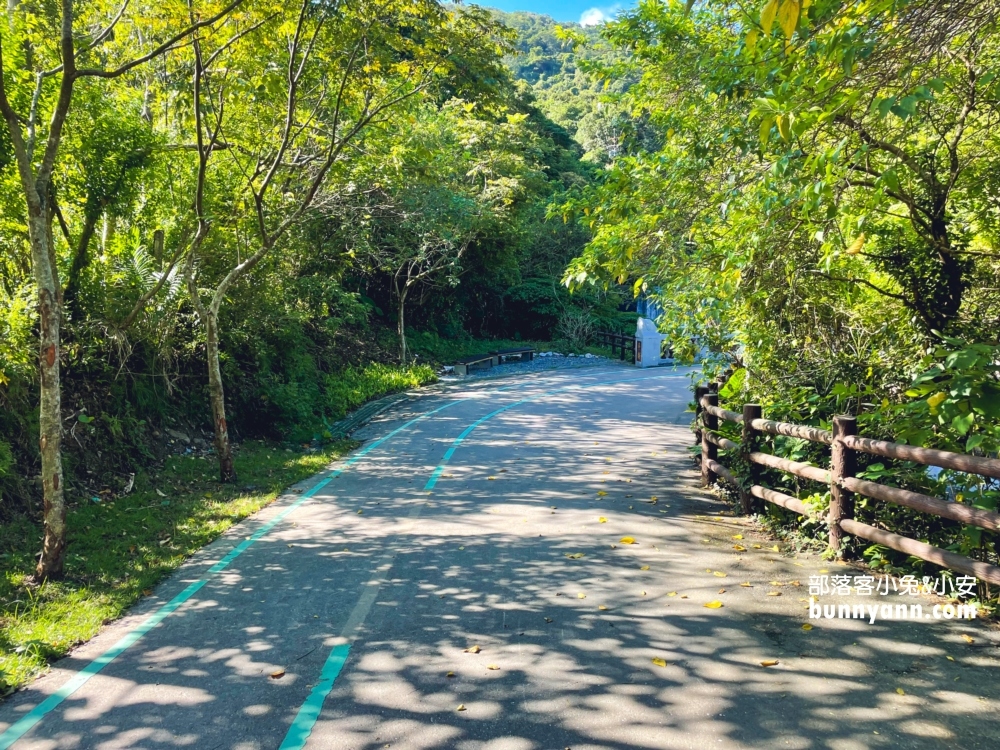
x: 714, y: 605
x: 626, y: 540
x: 642, y: 593
x: 807, y: 627
x: 491, y: 478
x: 601, y: 493
x: 737, y: 536
x: 360, y: 512
x: 718, y: 574
x: 450, y: 674
x: 684, y: 596
x: 581, y: 595
x: 755, y: 546
x: 774, y: 593
x: 601, y: 606
x: 660, y: 662
x: 461, y: 707
x: 602, y: 519
x: 652, y: 499
x: 739, y: 548
x: 950, y: 658
x: 901, y: 691
x: 775, y: 548
x: 769, y: 663
x: 492, y: 666
x: 672, y: 593
x: 968, y: 638
x: 746, y: 585
x: 644, y: 567
x: 277, y: 674
x: 473, y: 650
x: 548, y: 619
x: 574, y: 555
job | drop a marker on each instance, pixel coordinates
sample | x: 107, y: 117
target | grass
x: 120, y: 548
x: 354, y: 386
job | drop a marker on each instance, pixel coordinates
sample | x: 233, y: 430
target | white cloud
x: 595, y: 16
x: 592, y: 17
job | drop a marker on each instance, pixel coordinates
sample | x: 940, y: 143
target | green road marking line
x: 308, y: 714
x: 20, y: 727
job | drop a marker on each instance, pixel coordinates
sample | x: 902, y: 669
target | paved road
x: 366, y: 588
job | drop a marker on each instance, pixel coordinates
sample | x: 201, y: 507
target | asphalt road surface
x: 461, y: 581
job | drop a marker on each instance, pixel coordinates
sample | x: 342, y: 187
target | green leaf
x: 974, y: 441
x: 963, y: 422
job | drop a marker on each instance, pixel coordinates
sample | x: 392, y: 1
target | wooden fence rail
x: 844, y: 444
x: 623, y: 342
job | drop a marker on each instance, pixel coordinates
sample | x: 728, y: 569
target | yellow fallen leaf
x: 461, y: 707
x: 776, y: 583
x: 601, y: 606
x: 644, y: 567
x: 714, y: 605
x: 473, y: 650
x: 968, y: 638
x: 755, y: 546
x: 574, y: 555
x: 653, y: 499
x: 746, y: 585
x: 602, y: 519
x: 492, y: 666
x: 823, y: 570
x: 807, y: 627
x: 581, y: 595
x: 737, y: 536
x: 718, y: 574
x: 660, y: 662
x: 739, y: 548
x: 360, y: 512
x: 626, y: 540
x: 775, y: 548
x: 601, y: 493
x: 901, y: 691
x: 774, y: 593
x: 450, y: 674
x: 643, y: 593
x: 672, y: 593
x: 769, y: 663
x: 491, y: 478
x: 277, y: 674
x: 950, y: 658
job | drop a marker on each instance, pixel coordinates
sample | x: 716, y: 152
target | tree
x: 42, y: 75
x: 347, y: 69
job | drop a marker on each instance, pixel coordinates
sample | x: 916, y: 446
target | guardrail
x: 621, y: 341
x: 844, y: 444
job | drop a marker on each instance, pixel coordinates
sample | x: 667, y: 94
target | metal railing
x: 844, y: 444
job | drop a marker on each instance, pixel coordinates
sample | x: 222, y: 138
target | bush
x: 354, y: 386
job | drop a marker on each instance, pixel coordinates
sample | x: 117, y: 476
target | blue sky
x: 586, y: 12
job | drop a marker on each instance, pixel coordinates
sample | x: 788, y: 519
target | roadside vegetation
x: 818, y: 217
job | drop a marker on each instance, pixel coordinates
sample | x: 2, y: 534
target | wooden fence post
x: 699, y: 391
x: 748, y: 444
x: 842, y: 464
x: 708, y: 450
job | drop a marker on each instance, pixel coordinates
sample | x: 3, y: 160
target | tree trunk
x: 50, y: 564
x: 217, y: 395
x: 402, y: 325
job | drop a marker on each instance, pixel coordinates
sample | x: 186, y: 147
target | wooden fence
x: 623, y: 342
x: 844, y: 444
